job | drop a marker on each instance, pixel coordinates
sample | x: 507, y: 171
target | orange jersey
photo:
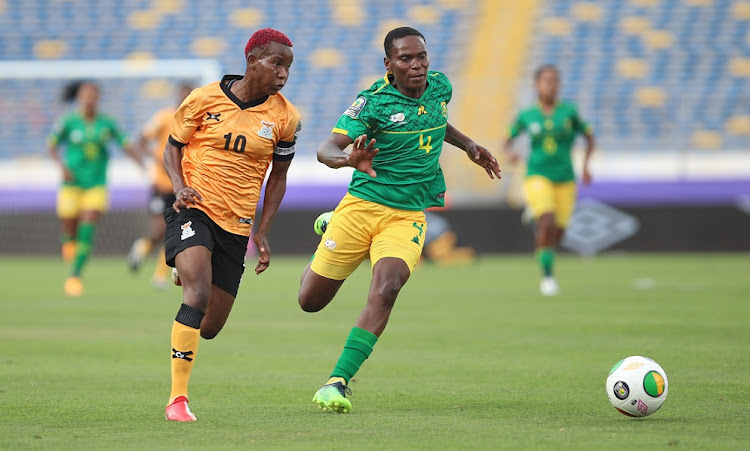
x: 157, y: 130
x: 228, y: 147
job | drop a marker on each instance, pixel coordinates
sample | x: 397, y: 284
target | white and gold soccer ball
x: 637, y: 386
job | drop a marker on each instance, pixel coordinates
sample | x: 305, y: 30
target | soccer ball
x: 637, y: 386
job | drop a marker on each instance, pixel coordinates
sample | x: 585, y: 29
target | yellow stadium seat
x: 634, y: 25
x: 739, y: 67
x: 167, y: 6
x: 208, y: 46
x: 698, y: 2
x: 645, y: 3
x: 50, y: 48
x: 326, y: 58
x: 556, y: 26
x: 144, y: 19
x: 423, y: 14
x: 741, y: 10
x: 368, y: 80
x: 157, y: 89
x: 587, y: 12
x: 2, y: 6
x: 140, y: 56
x: 453, y: 4
x: 348, y: 12
x: 658, y: 39
x: 632, y: 68
x: 738, y: 125
x: 705, y: 139
x: 246, y: 18
x: 650, y: 96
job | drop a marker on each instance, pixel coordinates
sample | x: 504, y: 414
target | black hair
x: 544, y: 68
x: 70, y: 91
x: 398, y: 33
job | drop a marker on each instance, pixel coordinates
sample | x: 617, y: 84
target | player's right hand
x: 362, y: 154
x: 67, y: 174
x: 185, y: 197
x: 512, y: 157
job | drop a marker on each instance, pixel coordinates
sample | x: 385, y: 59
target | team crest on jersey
x: 444, y: 108
x: 215, y: 117
x: 187, y: 231
x: 535, y: 128
x: 266, y: 131
x: 356, y: 107
x: 398, y: 117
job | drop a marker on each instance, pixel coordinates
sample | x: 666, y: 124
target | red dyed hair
x: 264, y: 36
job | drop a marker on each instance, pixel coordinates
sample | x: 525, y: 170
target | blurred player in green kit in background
x: 84, y: 134
x: 550, y: 185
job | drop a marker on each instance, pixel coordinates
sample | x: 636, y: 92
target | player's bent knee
x: 387, y: 292
x: 209, y: 333
x: 310, y: 303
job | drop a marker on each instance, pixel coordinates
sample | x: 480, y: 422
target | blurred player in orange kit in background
x: 153, y: 138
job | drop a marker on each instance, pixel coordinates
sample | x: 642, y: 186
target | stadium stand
x: 649, y: 74
x: 652, y: 74
x: 338, y: 47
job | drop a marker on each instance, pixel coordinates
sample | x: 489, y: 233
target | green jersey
x: 409, y: 133
x: 85, y: 144
x: 552, y: 139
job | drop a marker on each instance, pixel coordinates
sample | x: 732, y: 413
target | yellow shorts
x: 72, y: 200
x: 359, y: 228
x: 545, y: 196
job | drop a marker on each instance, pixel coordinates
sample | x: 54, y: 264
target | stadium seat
x: 706, y: 139
x: 738, y: 125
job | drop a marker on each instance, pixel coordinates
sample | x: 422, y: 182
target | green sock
x: 357, y: 349
x: 85, y: 242
x: 546, y: 257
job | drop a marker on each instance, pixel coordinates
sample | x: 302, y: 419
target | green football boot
x: 321, y: 222
x: 333, y: 397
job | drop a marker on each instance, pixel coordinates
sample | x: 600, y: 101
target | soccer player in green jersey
x: 382, y: 215
x: 85, y: 134
x: 550, y: 185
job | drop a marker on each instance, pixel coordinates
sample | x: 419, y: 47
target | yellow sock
x: 185, y: 339
x: 161, y: 271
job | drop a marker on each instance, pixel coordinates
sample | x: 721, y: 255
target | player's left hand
x: 484, y: 158
x: 264, y: 252
x: 586, y: 177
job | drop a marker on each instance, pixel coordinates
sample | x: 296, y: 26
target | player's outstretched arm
x: 275, y: 189
x: 589, y: 137
x: 134, y: 152
x: 511, y: 154
x: 173, y: 165
x: 478, y: 154
x: 331, y: 153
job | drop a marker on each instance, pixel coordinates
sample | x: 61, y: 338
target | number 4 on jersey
x: 427, y: 147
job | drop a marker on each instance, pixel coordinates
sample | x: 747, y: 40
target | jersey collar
x: 228, y: 92
x: 554, y: 107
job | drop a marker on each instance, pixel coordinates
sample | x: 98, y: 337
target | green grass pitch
x: 473, y: 358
